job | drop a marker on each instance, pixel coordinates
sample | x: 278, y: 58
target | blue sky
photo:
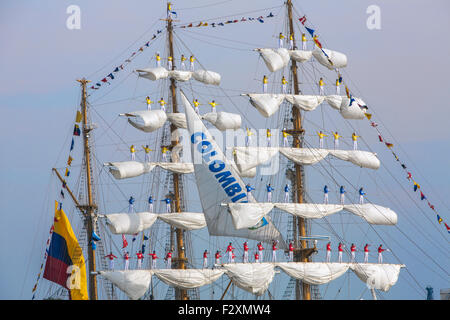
x: 401, y: 71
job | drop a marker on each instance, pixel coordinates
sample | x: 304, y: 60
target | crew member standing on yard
x: 218, y: 256
x: 168, y: 201
x: 291, y: 252
x: 162, y: 103
x: 325, y: 194
x: 140, y: 256
x: 336, y: 140
x: 321, y: 135
x: 154, y: 257
x: 380, y: 253
x: 111, y: 260
x: 328, y: 252
x: 245, y: 258
x: 191, y: 60
x: 132, y: 152
x: 147, y: 151
x: 205, y: 259
x: 126, y: 257
x: 265, y: 81
x: 286, y: 193
x: 340, y: 250
x: 150, y: 204
x: 321, y: 87
x: 183, y: 59
x: 361, y: 196
x: 230, y: 252
x: 303, y: 41
x: 269, y: 192
x: 158, y: 60
x: 256, y: 257
x: 280, y: 40
x: 249, y: 189
x: 168, y: 259
x: 342, y: 192
x: 274, y: 251
x: 260, y: 250
x: 284, y: 85
x: 352, y: 251
x: 355, y: 141
x: 366, y: 253
x: 149, y: 103
x: 131, y: 204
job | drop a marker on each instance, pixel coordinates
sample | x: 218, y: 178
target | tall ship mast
x: 176, y: 202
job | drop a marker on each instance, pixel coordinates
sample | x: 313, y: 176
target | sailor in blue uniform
x: 249, y: 190
x: 361, y: 196
x: 150, y: 204
x: 286, y: 193
x: 168, y: 208
x: 269, y: 192
x: 130, y: 204
x: 342, y: 192
x: 325, y: 194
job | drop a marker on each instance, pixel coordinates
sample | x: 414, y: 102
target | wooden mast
x: 301, y: 255
x: 180, y: 259
x: 90, y: 207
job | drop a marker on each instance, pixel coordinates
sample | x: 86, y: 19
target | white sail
x: 218, y: 182
x: 373, y: 214
x: 129, y: 169
x: 180, y: 75
x: 266, y: 103
x: 176, y: 167
x: 377, y: 276
x: 130, y: 223
x: 188, y: 278
x: 246, y: 215
x: 304, y: 156
x: 134, y: 283
x: 314, y: 273
x: 335, y: 101
x: 355, y: 111
x: 305, y: 102
x: 207, y: 77
x: 153, y: 73
x: 247, y: 158
x: 224, y: 120
x: 309, y: 210
x: 178, y: 119
x: 360, y: 158
x: 184, y: 220
x: 147, y: 120
x: 273, y: 60
x: 252, y: 277
x: 284, y: 54
x: 339, y: 60
x: 300, y: 55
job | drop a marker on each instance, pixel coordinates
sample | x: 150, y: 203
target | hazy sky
x: 401, y: 71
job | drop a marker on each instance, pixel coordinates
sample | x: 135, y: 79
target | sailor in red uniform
x: 256, y: 257
x: 218, y: 256
x: 154, y: 257
x: 230, y: 252
x: 111, y: 260
x: 380, y: 251
x: 168, y: 259
x: 245, y: 259
x: 205, y: 259
x: 291, y: 252
x: 140, y: 256
x: 352, y: 251
x: 366, y: 253
x: 126, y: 257
x: 232, y: 256
x: 274, y: 251
x: 328, y: 251
x: 260, y: 249
x: 340, y: 250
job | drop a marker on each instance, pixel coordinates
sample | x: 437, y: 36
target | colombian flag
x: 65, y: 263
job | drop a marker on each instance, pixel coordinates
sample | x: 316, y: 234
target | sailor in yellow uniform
x: 265, y: 81
x: 291, y: 42
x: 162, y: 103
x: 284, y: 85
x: 183, y: 59
x: 280, y: 40
x: 213, y: 105
x: 196, y: 104
x: 191, y: 60
x: 169, y: 62
x: 321, y: 85
x: 336, y: 139
x: 321, y: 135
x: 164, y: 151
x: 158, y: 60
x: 147, y: 151
x: 355, y: 141
x: 268, y: 135
x: 338, y: 89
x: 285, y: 139
x: 149, y: 103
x: 248, y: 138
x: 132, y: 151
x: 303, y: 41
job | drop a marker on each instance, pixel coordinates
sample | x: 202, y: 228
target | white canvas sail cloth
x: 246, y: 215
x: 147, y: 120
x: 247, y: 158
x: 305, y: 102
x: 304, y: 156
x: 300, y: 55
x: 224, y: 120
x: 180, y: 75
x: 339, y: 60
x: 275, y: 59
x: 358, y: 157
x: 266, y: 103
x: 219, y: 182
x: 313, y: 272
x: 184, y: 220
x: 207, y: 77
x: 176, y: 167
x: 153, y: 73
x: 373, y: 214
x: 252, y: 277
x: 128, y: 169
x: 134, y: 283
x: 309, y: 210
x: 188, y: 278
x: 377, y: 276
x: 355, y: 111
x: 130, y: 223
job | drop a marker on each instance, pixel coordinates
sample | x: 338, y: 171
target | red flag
x: 124, y: 241
x: 448, y: 228
x: 302, y: 20
x: 389, y: 145
x: 380, y: 137
x: 409, y: 175
x: 374, y: 124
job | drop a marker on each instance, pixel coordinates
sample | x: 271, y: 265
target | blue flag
x: 311, y: 31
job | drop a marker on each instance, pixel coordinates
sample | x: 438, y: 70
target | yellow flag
x: 368, y: 115
x: 69, y: 160
x: 78, y: 117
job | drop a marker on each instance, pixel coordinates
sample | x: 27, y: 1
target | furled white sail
x: 309, y: 210
x: 178, y: 119
x: 304, y: 156
x: 246, y: 215
x: 313, y: 272
x: 184, y: 220
x: 305, y: 102
x: 218, y: 182
x: 180, y: 75
x: 335, y: 101
x: 339, y: 60
x: 207, y: 77
x: 176, y: 167
x: 252, y: 277
x: 130, y: 223
x: 147, y: 120
x: 273, y: 60
x: 358, y: 157
x: 247, y: 158
x: 129, y: 169
x: 373, y: 214
x: 377, y: 276
x: 284, y: 54
x: 153, y: 73
x: 134, y: 283
x: 300, y: 55
x: 266, y: 103
x: 354, y: 111
x: 188, y: 278
x: 224, y: 120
